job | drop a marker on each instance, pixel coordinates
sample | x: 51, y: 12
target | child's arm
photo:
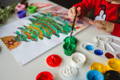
x: 116, y: 30
x: 86, y: 6
x: 82, y: 8
x: 112, y: 28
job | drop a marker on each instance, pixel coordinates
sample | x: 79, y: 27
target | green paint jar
x: 70, y: 39
x: 70, y: 45
x: 31, y: 9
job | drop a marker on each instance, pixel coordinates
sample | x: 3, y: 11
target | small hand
x: 72, y: 12
x: 105, y: 25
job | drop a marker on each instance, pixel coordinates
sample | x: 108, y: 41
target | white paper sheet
x: 28, y: 51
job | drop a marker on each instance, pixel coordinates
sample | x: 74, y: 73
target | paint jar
x: 20, y: 7
x: 70, y: 44
x: 31, y: 9
x: 112, y: 75
x: 54, y: 60
x: 70, y: 39
x: 68, y: 73
x: 94, y: 75
x: 45, y: 76
x: 99, y: 67
x: 114, y: 64
x: 78, y: 59
x: 21, y: 14
x: 69, y: 49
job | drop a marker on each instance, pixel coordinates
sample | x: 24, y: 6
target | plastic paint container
x: 45, y: 76
x: 68, y: 72
x: 69, y: 49
x: 94, y: 75
x: 21, y: 14
x: 54, y: 60
x: 20, y: 7
x: 31, y: 9
x: 78, y: 59
x: 99, y: 67
x: 114, y: 64
x: 70, y: 44
x: 112, y: 75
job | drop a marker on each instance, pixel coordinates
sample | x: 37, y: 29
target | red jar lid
x: 109, y: 55
x: 54, y: 60
x: 44, y: 76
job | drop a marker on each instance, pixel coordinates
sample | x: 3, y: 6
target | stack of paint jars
x: 22, y: 9
x: 111, y: 71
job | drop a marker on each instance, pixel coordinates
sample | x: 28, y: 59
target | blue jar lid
x: 94, y: 75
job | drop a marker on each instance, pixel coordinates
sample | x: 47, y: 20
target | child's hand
x: 72, y: 12
x: 105, y: 25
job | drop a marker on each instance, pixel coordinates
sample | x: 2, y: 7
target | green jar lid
x: 70, y: 39
x: 31, y: 9
x: 69, y: 49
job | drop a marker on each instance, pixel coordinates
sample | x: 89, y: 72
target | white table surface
x: 11, y: 70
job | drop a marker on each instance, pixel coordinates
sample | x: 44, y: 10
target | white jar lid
x: 78, y: 59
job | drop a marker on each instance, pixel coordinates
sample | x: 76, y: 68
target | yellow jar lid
x: 114, y: 64
x: 98, y: 66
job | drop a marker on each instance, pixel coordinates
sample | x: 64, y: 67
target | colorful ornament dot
x: 44, y: 76
x: 54, y: 60
x: 109, y: 55
x: 98, y: 52
x: 89, y: 47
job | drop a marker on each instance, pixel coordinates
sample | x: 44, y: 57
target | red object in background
x: 112, y: 11
x: 44, y: 76
x: 77, y: 27
x: 109, y: 55
x: 54, y: 60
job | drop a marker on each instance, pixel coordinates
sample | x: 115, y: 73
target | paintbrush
x: 74, y: 21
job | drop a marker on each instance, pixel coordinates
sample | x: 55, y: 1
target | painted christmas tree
x: 43, y: 25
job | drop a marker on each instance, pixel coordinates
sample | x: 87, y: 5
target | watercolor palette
x: 105, y: 45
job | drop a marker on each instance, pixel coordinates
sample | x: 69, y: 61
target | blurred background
x: 64, y: 3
